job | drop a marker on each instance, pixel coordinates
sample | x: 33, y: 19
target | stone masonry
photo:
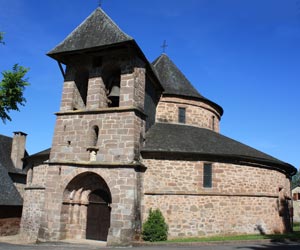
x: 198, y: 113
x: 246, y: 196
x: 91, y: 142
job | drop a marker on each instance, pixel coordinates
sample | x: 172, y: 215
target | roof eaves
x: 225, y: 158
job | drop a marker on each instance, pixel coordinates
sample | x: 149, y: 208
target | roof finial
x: 99, y: 3
x: 164, y: 46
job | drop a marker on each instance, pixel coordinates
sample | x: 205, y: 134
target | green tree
x: 155, y: 228
x: 12, y: 87
x: 11, y: 91
x: 296, y: 179
x: 1, y: 37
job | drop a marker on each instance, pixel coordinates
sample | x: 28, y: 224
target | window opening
x: 114, y: 91
x: 81, y: 82
x: 181, y: 115
x: 95, y: 135
x: 207, y: 175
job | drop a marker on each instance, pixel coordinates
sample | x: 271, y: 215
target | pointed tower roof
x: 97, y: 30
x: 174, y: 81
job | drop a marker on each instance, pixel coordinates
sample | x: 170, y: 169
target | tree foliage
x: 11, y: 90
x: 155, y: 228
x: 2, y: 37
x: 296, y: 179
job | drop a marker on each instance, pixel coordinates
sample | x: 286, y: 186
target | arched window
x: 95, y: 135
x: 213, y: 123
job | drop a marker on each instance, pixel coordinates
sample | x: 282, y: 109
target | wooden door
x: 98, y: 216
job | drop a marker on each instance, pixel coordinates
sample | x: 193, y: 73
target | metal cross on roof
x: 100, y: 3
x: 164, y: 46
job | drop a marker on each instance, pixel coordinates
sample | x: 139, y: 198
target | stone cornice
x: 211, y: 193
x: 103, y: 111
x: 96, y: 164
x: 34, y: 187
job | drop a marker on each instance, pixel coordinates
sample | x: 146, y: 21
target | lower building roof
x: 9, y: 195
x: 164, y: 140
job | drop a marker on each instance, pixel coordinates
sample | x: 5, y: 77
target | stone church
x: 132, y: 135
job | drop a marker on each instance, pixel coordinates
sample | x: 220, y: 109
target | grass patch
x: 294, y: 236
x: 218, y: 238
x: 296, y: 226
x: 274, y: 237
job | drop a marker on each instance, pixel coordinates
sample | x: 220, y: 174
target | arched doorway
x: 86, y: 208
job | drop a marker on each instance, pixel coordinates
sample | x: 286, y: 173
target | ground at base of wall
x: 9, y: 226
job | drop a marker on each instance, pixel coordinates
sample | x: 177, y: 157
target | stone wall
x: 34, y: 201
x: 198, y: 113
x: 9, y: 226
x: 122, y: 183
x: 10, y: 217
x: 296, y: 203
x: 117, y: 139
x: 242, y: 199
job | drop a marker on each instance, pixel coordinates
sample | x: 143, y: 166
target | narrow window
x: 213, y: 123
x: 207, y: 175
x: 181, y: 115
x: 113, y: 86
x: 95, y: 135
x: 81, y: 82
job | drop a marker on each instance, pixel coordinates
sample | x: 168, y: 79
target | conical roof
x: 174, y: 81
x: 96, y: 30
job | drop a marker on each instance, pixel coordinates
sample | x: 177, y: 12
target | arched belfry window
x: 114, y: 90
x: 112, y: 79
x: 81, y: 82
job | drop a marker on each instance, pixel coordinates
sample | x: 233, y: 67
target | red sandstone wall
x: 241, y: 200
x: 197, y: 113
x: 9, y: 226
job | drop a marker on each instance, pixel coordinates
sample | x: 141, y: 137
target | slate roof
x: 96, y: 30
x: 200, y: 143
x: 5, y: 152
x: 174, y: 81
x: 9, y: 196
x: 42, y: 154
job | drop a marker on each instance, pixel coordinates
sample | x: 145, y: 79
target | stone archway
x: 86, y: 208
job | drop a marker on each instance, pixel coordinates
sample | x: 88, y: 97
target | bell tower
x: 98, y: 134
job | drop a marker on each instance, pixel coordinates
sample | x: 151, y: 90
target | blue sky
x: 242, y: 54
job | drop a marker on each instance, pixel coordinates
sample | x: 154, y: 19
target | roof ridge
x: 158, y: 59
x: 96, y: 30
x: 113, y: 22
x: 173, y: 79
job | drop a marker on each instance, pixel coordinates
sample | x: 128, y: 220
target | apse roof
x: 203, y: 143
x: 96, y: 30
x: 174, y: 81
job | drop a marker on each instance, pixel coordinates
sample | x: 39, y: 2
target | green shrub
x: 155, y: 228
